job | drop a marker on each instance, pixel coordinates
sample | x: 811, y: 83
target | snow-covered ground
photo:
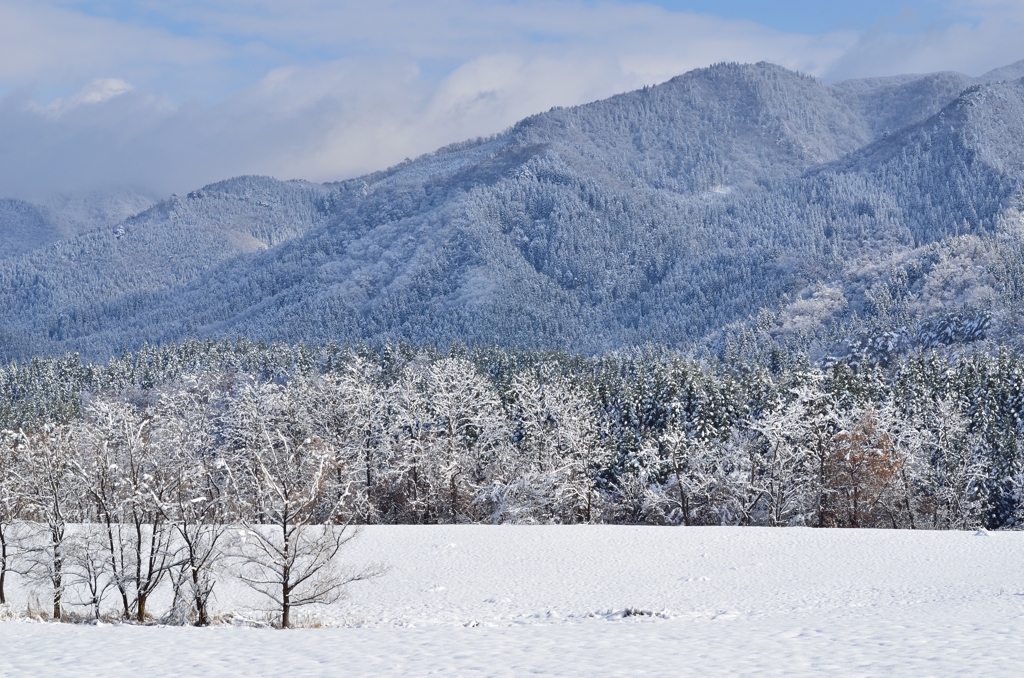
x: 504, y: 600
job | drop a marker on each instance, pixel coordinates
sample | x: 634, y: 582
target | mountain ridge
x: 664, y: 215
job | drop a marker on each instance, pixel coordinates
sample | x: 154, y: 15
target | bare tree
x: 292, y: 528
x: 345, y: 413
x: 409, y: 481
x: 46, y: 477
x: 468, y: 427
x: 11, y: 505
x: 100, y: 476
x: 354, y: 409
x: 88, y: 573
x: 126, y: 477
x: 698, y: 482
x: 197, y: 502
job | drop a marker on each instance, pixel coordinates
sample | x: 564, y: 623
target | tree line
x: 169, y: 464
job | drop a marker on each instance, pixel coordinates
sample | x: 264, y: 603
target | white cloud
x: 48, y: 43
x: 95, y: 92
x: 984, y: 34
x: 326, y: 90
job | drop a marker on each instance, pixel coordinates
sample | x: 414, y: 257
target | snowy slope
x: 477, y: 600
x: 25, y: 226
x: 657, y: 216
x: 1014, y: 71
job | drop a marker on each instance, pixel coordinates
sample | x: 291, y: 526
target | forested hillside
x: 727, y: 198
x: 26, y: 226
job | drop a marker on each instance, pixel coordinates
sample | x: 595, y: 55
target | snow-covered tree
x: 12, y: 501
x: 954, y: 476
x: 124, y: 472
x: 447, y: 433
x: 551, y: 472
x: 358, y: 421
x: 87, y: 575
x: 293, y: 526
x: 46, y: 477
x: 198, y: 502
x: 782, y: 468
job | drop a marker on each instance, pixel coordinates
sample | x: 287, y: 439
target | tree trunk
x: 115, y: 570
x: 856, y: 504
x: 368, y: 460
x: 454, y: 493
x: 57, y: 533
x: 202, y: 617
x: 140, y: 602
x: 906, y: 497
x: 58, y: 582
x: 286, y: 606
x: 683, y: 503
x: 286, y: 578
x: 3, y: 564
x: 821, y: 483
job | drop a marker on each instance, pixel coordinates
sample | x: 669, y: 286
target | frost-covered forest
x: 491, y: 435
x: 160, y: 452
x: 871, y: 210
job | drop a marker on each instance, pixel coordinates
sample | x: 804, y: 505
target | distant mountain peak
x: 1014, y: 71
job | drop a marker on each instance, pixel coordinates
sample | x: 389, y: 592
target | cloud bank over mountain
x: 168, y: 97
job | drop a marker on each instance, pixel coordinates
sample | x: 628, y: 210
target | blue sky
x: 808, y: 16
x: 172, y: 95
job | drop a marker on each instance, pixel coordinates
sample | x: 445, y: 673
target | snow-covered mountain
x: 27, y: 226
x: 669, y: 215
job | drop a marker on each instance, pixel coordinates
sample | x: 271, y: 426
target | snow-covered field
x: 504, y: 600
